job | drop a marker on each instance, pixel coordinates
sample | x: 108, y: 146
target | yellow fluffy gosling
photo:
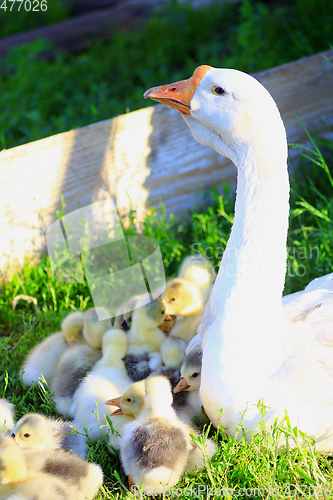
x: 37, y: 432
x: 44, y: 357
x: 123, y: 317
x: 183, y: 299
x: 17, y: 482
x: 128, y: 407
x: 145, y: 339
x: 190, y: 373
x: 155, y: 447
x: 199, y: 271
x: 75, y: 363
x: 173, y: 352
x: 107, y: 379
x: 144, y: 334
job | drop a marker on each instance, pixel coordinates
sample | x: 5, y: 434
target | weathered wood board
x: 145, y: 156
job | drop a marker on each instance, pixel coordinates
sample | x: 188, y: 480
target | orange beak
x: 181, y: 386
x: 71, y: 342
x: 115, y: 402
x: 179, y: 94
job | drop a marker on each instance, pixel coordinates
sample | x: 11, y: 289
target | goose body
x: 301, y: 306
x: 251, y: 350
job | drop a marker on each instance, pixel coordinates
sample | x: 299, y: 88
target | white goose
x: 250, y: 349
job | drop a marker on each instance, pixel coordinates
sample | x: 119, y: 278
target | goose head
x: 32, y: 432
x: 131, y: 402
x: 229, y: 111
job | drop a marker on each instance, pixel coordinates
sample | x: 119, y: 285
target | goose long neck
x: 252, y: 272
x: 259, y: 234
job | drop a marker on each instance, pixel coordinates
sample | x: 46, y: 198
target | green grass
x: 39, y: 98
x: 257, y: 466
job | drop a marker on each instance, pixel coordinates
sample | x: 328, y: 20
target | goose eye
x: 195, y: 375
x: 26, y: 435
x: 128, y: 400
x: 218, y: 90
x: 162, y: 312
x: 173, y: 299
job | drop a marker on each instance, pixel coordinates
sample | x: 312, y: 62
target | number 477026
x: 33, y: 5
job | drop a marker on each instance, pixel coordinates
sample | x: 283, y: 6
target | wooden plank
x: 145, y: 155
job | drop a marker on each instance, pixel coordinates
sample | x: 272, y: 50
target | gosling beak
x: 71, y: 342
x: 179, y: 94
x: 181, y: 386
x: 117, y: 412
x: 167, y: 317
x: 115, y: 402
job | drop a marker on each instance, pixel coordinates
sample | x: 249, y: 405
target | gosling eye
x: 195, y: 375
x: 162, y: 312
x: 80, y: 332
x: 129, y: 400
x: 218, y: 90
x: 173, y: 299
x: 26, y: 435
